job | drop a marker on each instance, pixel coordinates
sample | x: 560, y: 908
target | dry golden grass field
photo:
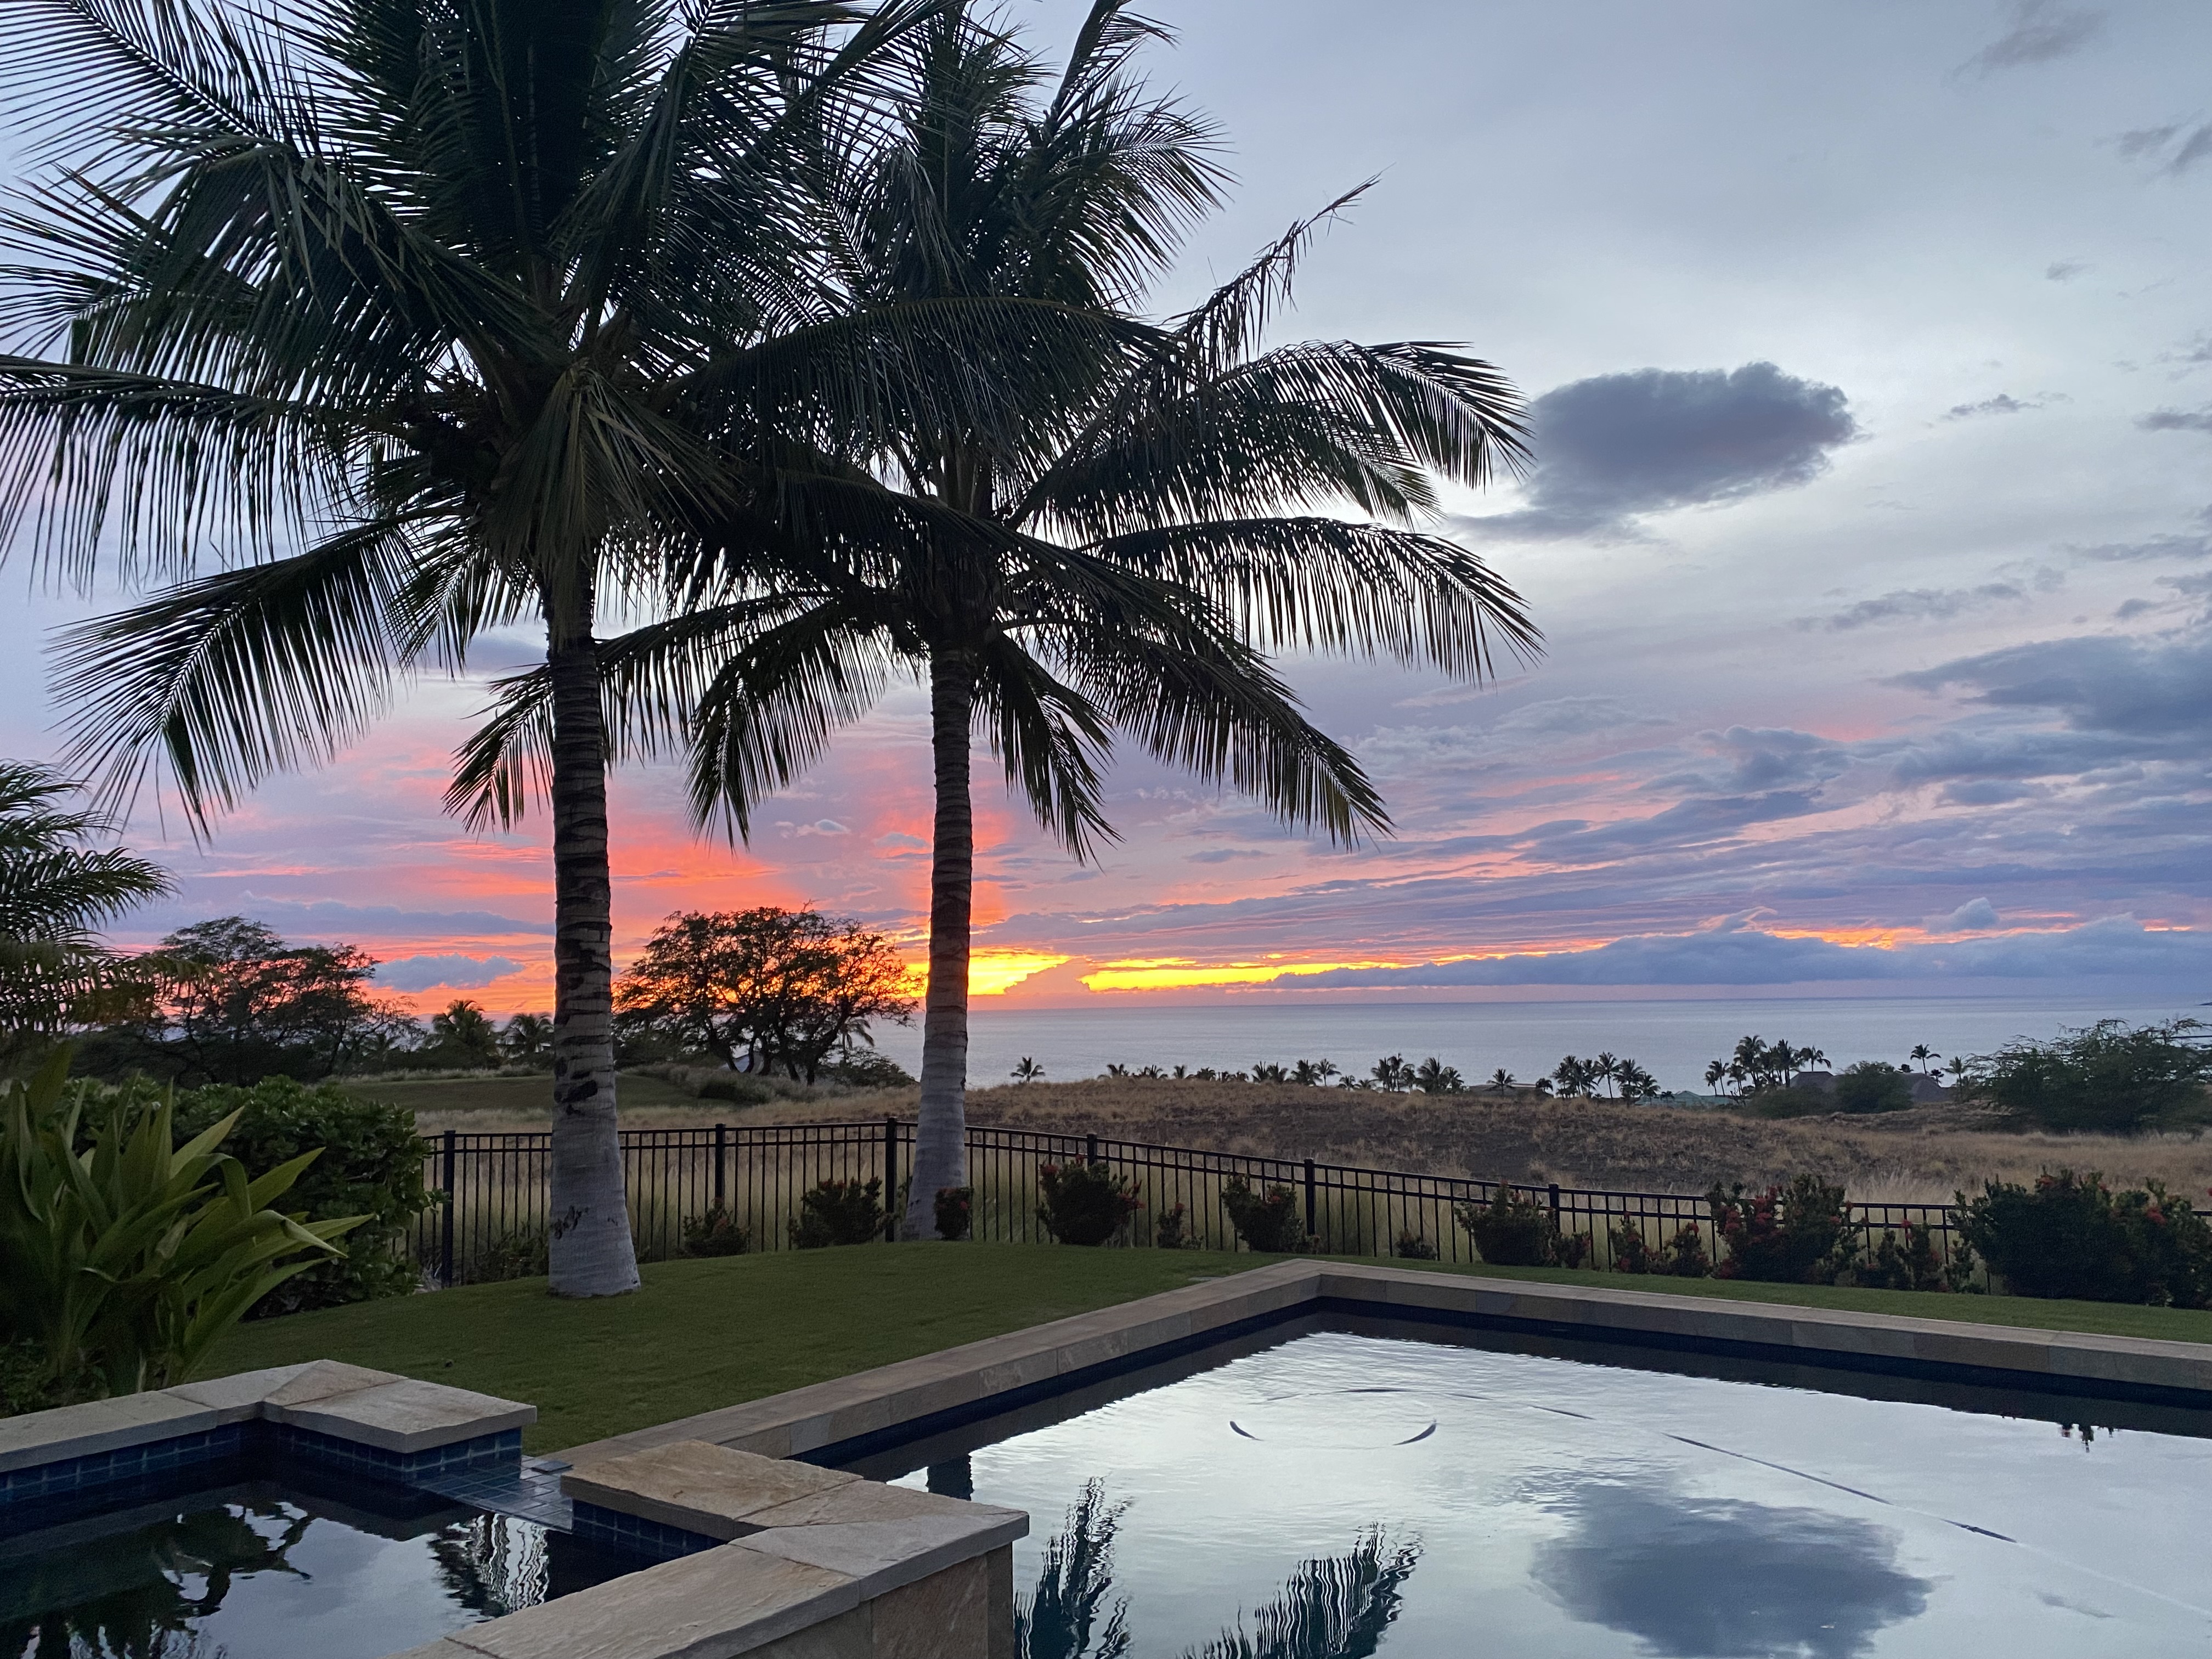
x: 1921, y: 1155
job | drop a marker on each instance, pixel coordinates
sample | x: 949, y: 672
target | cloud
x: 2153, y: 687
x: 819, y: 827
x: 1569, y: 717
x: 2177, y: 420
x: 1762, y: 757
x: 2118, y: 946
x: 2041, y: 33
x: 2194, y: 147
x: 1915, y: 604
x: 1975, y: 915
x: 457, y: 972
x: 1688, y: 1575
x: 1985, y: 791
x: 2064, y: 271
x: 1610, y: 448
x: 2157, y: 547
x: 899, y: 840
x: 330, y: 917
x: 1225, y: 854
x: 2003, y: 404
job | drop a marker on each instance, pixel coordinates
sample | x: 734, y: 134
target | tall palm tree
x: 1152, y: 514
x: 57, y: 889
x: 436, y: 289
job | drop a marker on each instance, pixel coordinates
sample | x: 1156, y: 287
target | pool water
x: 1341, y: 1493
x: 241, y: 1565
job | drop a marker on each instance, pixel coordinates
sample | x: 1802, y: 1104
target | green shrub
x: 525, y: 1253
x: 737, y: 1090
x: 1913, y: 1262
x: 715, y: 1233
x: 1413, y: 1246
x: 863, y: 1069
x: 838, y: 1212
x: 956, y: 1213
x: 371, y: 1166
x: 1795, y: 1235
x: 1683, y: 1255
x: 127, y: 1257
x: 1271, y: 1221
x: 1171, y: 1229
x: 2109, y: 1076
x: 1798, y: 1100
x: 1513, y: 1232
x: 1085, y: 1203
x: 1873, y: 1085
x: 2071, y: 1236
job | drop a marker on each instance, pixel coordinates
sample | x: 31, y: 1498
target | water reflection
x: 1712, y: 1578
x: 1335, y: 1607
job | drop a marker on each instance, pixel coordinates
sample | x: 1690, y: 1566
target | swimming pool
x: 248, y: 1561
x: 1446, y: 1495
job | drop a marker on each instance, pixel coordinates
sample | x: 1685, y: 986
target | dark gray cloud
x: 1715, y: 1578
x: 1975, y: 915
x: 1760, y: 758
x: 2156, y: 547
x: 2003, y: 404
x: 2064, y: 271
x: 2174, y: 157
x: 2153, y: 687
x: 2118, y: 947
x: 1617, y: 445
x: 458, y: 973
x: 1905, y: 604
x: 2041, y: 31
x: 2177, y: 420
x: 330, y: 919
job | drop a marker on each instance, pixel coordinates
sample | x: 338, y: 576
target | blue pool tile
x: 613, y: 1530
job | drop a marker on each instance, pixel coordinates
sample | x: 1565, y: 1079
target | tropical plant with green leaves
x: 1155, y: 505
x: 58, y: 888
x: 441, y: 317
x: 129, y: 1255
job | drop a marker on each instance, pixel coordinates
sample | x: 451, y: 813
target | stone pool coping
x: 324, y: 1410
x: 851, y: 1416
x: 780, y: 1559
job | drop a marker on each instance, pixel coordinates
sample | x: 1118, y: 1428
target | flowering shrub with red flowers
x: 956, y: 1207
x: 1684, y: 1255
x: 2070, y: 1235
x: 1267, y: 1221
x: 1086, y: 1203
x: 1795, y: 1235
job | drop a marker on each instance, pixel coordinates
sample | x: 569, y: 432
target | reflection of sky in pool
x: 1546, y: 1506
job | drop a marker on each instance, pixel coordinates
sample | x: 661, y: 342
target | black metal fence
x: 492, y: 1222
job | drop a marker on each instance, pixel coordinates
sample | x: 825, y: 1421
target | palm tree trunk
x: 589, y: 1224
x: 940, y: 1151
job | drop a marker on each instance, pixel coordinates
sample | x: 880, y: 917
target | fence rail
x: 492, y: 1221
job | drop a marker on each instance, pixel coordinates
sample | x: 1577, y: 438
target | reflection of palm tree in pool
x: 124, y: 1596
x: 1335, y: 1607
x: 1058, y: 1620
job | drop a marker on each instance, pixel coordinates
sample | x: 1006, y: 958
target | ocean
x: 1673, y: 1039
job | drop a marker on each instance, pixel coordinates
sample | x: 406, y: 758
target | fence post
x: 446, y: 1223
x: 1310, y: 1213
x: 721, y: 1152
x: 1090, y: 1149
x: 890, y: 1179
x: 1555, y: 1209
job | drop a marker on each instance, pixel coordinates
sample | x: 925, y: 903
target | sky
x: 1869, y: 354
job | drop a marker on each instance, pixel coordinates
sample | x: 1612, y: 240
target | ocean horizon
x: 1672, y: 1038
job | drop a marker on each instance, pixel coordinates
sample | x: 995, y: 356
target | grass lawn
x: 708, y: 1334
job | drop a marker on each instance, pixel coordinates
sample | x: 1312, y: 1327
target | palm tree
x: 1115, y: 552
x: 439, y: 292
x: 526, y: 1038
x: 466, y: 1030
x: 1027, y: 1070
x: 1920, y: 1054
x: 1392, y: 1073
x: 1605, y: 1069
x: 1717, y: 1074
x: 56, y: 891
x: 1501, y: 1082
x: 1433, y: 1077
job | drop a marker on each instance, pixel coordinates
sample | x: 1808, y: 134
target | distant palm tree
x: 1920, y: 1054
x: 463, y: 1028
x: 1392, y: 1073
x: 527, y: 1038
x: 1717, y: 1076
x: 1027, y: 1070
x: 1606, y: 1069
x: 1542, y: 1087
x: 56, y: 891
x: 1501, y: 1082
x: 1433, y: 1077
x: 1313, y: 1072
x: 1572, y: 1076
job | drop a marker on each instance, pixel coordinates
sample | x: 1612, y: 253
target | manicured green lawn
x: 703, y: 1334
